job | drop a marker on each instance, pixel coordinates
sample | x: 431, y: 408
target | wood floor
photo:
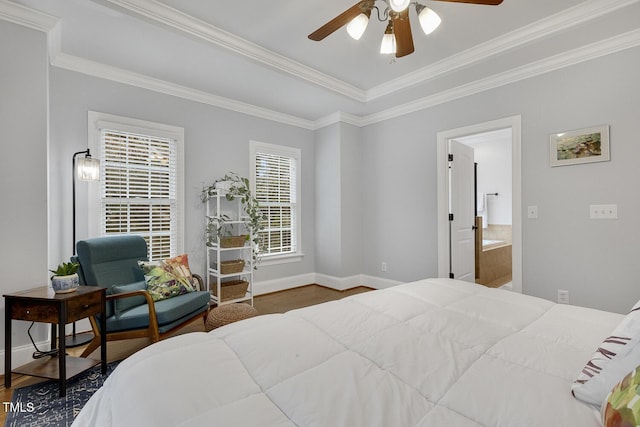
x: 280, y: 302
x: 277, y: 302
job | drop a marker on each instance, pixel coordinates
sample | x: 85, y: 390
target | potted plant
x: 234, y: 186
x: 65, y: 277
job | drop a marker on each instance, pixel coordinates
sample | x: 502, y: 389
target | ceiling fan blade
x: 339, y: 21
x: 487, y: 2
x: 402, y: 31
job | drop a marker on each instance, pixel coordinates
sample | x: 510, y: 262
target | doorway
x: 510, y: 126
x: 493, y: 224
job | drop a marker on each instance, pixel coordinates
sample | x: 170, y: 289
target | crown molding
x: 585, y: 53
x: 543, y: 28
x: 338, y: 117
x: 96, y: 69
x: 595, y: 50
x: 26, y: 17
x: 159, y: 12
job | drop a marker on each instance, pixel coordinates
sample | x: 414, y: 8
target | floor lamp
x: 85, y: 169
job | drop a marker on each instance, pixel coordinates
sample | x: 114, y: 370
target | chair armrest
x: 148, y: 299
x: 200, y: 281
x: 147, y: 296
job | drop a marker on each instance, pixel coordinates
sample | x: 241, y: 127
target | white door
x: 462, y: 212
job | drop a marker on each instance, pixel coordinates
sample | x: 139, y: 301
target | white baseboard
x: 378, y: 282
x: 281, y: 284
x: 21, y: 355
x: 337, y: 283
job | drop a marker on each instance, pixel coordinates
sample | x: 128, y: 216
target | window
x: 139, y: 191
x: 275, y: 179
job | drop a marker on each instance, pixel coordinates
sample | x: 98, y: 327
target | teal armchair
x: 112, y: 262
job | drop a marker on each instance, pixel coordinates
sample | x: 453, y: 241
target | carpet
x: 40, y: 404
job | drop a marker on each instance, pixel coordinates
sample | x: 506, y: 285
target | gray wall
x: 327, y: 195
x: 338, y: 195
x: 351, y: 211
x: 216, y: 142
x: 594, y: 260
x: 399, y: 197
x: 23, y: 168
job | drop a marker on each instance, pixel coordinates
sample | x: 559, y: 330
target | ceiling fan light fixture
x: 429, y: 20
x: 358, y: 25
x: 398, y: 38
x: 399, y: 5
x: 388, y: 44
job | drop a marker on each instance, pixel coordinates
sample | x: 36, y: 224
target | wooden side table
x: 43, y: 305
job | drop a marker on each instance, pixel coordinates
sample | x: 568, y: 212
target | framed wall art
x: 579, y: 146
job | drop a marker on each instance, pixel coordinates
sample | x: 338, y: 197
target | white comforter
x: 436, y: 352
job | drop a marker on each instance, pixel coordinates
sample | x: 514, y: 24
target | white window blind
x: 276, y: 191
x: 139, y: 189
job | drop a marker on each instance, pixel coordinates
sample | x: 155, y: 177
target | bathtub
x: 495, y: 262
x: 487, y: 242
x: 493, y: 254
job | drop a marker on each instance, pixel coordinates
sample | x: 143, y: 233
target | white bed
x: 436, y: 352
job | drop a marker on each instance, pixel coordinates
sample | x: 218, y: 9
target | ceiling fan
x: 397, y: 37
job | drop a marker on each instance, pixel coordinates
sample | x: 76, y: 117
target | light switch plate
x: 532, y: 212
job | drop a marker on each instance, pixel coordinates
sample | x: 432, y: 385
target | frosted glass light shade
x: 88, y: 169
x: 357, y: 26
x: 429, y: 20
x: 399, y: 5
x: 388, y: 44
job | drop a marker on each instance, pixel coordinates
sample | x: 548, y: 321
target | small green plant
x: 66, y: 269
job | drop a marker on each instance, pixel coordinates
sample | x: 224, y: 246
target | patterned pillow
x: 622, y: 407
x: 168, y: 278
x: 617, y: 355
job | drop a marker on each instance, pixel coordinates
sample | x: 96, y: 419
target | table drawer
x: 87, y: 305
x: 34, y: 312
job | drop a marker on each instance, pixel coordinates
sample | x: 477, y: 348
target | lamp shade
x: 88, y: 169
x: 388, y: 44
x: 429, y: 20
x: 357, y: 26
x: 399, y: 5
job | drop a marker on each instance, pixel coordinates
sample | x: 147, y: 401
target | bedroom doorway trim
x: 514, y: 123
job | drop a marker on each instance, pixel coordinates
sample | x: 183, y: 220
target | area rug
x: 40, y: 404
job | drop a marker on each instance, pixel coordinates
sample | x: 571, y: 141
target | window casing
x: 275, y: 180
x: 140, y: 190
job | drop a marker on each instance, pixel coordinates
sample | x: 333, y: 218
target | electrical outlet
x: 383, y: 266
x: 603, y: 211
x: 563, y: 296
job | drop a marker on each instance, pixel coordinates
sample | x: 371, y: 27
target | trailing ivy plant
x: 239, y: 188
